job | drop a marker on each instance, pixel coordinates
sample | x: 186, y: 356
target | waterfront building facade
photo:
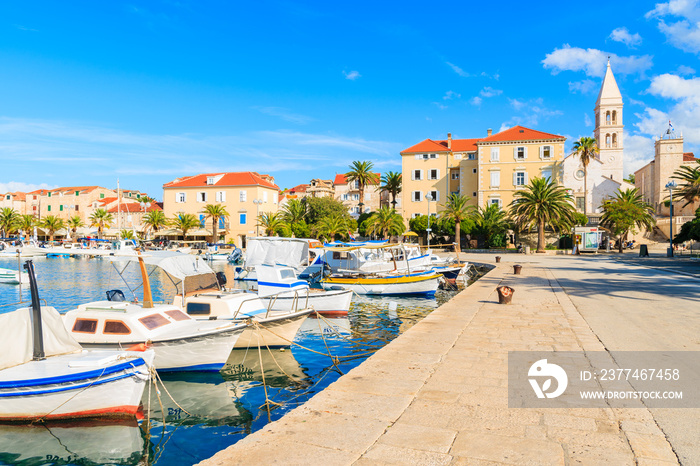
x: 16, y: 201
x: 67, y: 202
x: 349, y: 194
x: 245, y: 195
x: 487, y: 170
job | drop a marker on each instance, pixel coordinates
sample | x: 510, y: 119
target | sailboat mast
x: 119, y: 213
x: 37, y: 330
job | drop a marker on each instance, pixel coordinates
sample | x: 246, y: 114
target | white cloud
x: 635, y: 101
x: 72, y: 154
x: 284, y: 114
x: 685, y: 113
x: 684, y: 70
x: 490, y: 92
x: 593, y: 62
x: 440, y: 106
x: 639, y: 151
x: 352, y: 75
x: 25, y: 28
x: 587, y: 86
x: 587, y: 120
x: 449, y: 95
x: 458, y: 70
x: 476, y: 101
x: 685, y: 32
x: 531, y: 112
x: 624, y: 36
x: 13, y: 186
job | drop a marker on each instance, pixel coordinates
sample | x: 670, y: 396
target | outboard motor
x: 235, y: 256
x: 221, y: 279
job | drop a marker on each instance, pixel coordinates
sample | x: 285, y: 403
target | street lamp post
x: 428, y: 198
x: 257, y: 203
x: 671, y: 185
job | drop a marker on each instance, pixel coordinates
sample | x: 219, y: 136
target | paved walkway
x: 438, y: 393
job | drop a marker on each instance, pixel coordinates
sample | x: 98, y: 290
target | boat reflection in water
x: 78, y: 442
x: 196, y: 398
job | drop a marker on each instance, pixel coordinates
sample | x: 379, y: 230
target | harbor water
x: 191, y: 416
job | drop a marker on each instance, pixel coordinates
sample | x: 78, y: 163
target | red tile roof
x: 133, y: 207
x: 340, y: 179
x: 301, y: 188
x: 689, y: 157
x: 519, y: 133
x: 20, y: 196
x: 107, y: 200
x: 428, y: 146
x: 228, y: 179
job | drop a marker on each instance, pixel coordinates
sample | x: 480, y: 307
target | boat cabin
x: 222, y: 305
x: 121, y: 321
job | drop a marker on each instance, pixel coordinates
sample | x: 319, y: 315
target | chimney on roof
x: 449, y: 140
x: 488, y: 132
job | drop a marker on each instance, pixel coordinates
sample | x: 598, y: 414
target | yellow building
x: 487, y: 170
x: 245, y: 195
x: 508, y: 160
x: 67, y: 202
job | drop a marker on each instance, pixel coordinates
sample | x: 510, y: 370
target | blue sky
x: 150, y: 91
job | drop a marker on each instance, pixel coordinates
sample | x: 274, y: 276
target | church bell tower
x: 608, y: 127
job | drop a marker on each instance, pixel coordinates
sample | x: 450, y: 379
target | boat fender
x: 138, y: 347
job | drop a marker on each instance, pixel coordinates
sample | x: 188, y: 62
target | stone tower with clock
x: 609, y: 128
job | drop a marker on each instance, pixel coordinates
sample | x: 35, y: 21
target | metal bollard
x: 505, y: 294
x: 517, y: 269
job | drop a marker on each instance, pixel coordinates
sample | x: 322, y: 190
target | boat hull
x: 12, y: 277
x: 276, y: 332
x: 206, y: 353
x: 333, y: 302
x: 404, y: 285
x: 114, y: 390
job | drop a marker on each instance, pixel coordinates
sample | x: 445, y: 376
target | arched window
x: 607, y: 117
x: 614, y: 140
x: 614, y: 117
x: 607, y: 140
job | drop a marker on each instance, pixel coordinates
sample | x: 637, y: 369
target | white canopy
x: 192, y: 270
x: 276, y: 251
x: 176, y: 264
x: 17, y: 341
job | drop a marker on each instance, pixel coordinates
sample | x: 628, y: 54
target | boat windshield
x: 154, y: 321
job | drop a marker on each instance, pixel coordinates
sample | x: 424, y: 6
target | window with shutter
x: 520, y: 153
x: 495, y: 179
x: 242, y: 196
x: 495, y: 156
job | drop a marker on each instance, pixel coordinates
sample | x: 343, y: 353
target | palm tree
x: 26, y: 223
x: 155, y: 220
x: 690, y: 186
x: 491, y: 221
x: 295, y: 211
x: 456, y: 209
x: 126, y: 234
x: 392, y: 184
x: 9, y: 220
x: 272, y: 223
x: 185, y: 222
x: 542, y: 203
x: 101, y: 219
x: 52, y: 224
x: 361, y: 172
x: 626, y: 211
x: 216, y: 212
x: 331, y: 226
x: 75, y: 222
x: 385, y: 222
x: 586, y: 148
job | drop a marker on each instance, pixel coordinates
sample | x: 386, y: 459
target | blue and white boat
x: 45, y: 374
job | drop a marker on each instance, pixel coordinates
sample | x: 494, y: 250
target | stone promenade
x: 438, y: 393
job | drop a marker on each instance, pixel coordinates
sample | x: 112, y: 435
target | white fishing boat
x: 415, y: 284
x: 13, y: 277
x: 45, y: 374
x: 301, y: 254
x: 200, y: 294
x: 28, y: 249
x: 374, y: 257
x: 180, y: 342
x: 281, y: 290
